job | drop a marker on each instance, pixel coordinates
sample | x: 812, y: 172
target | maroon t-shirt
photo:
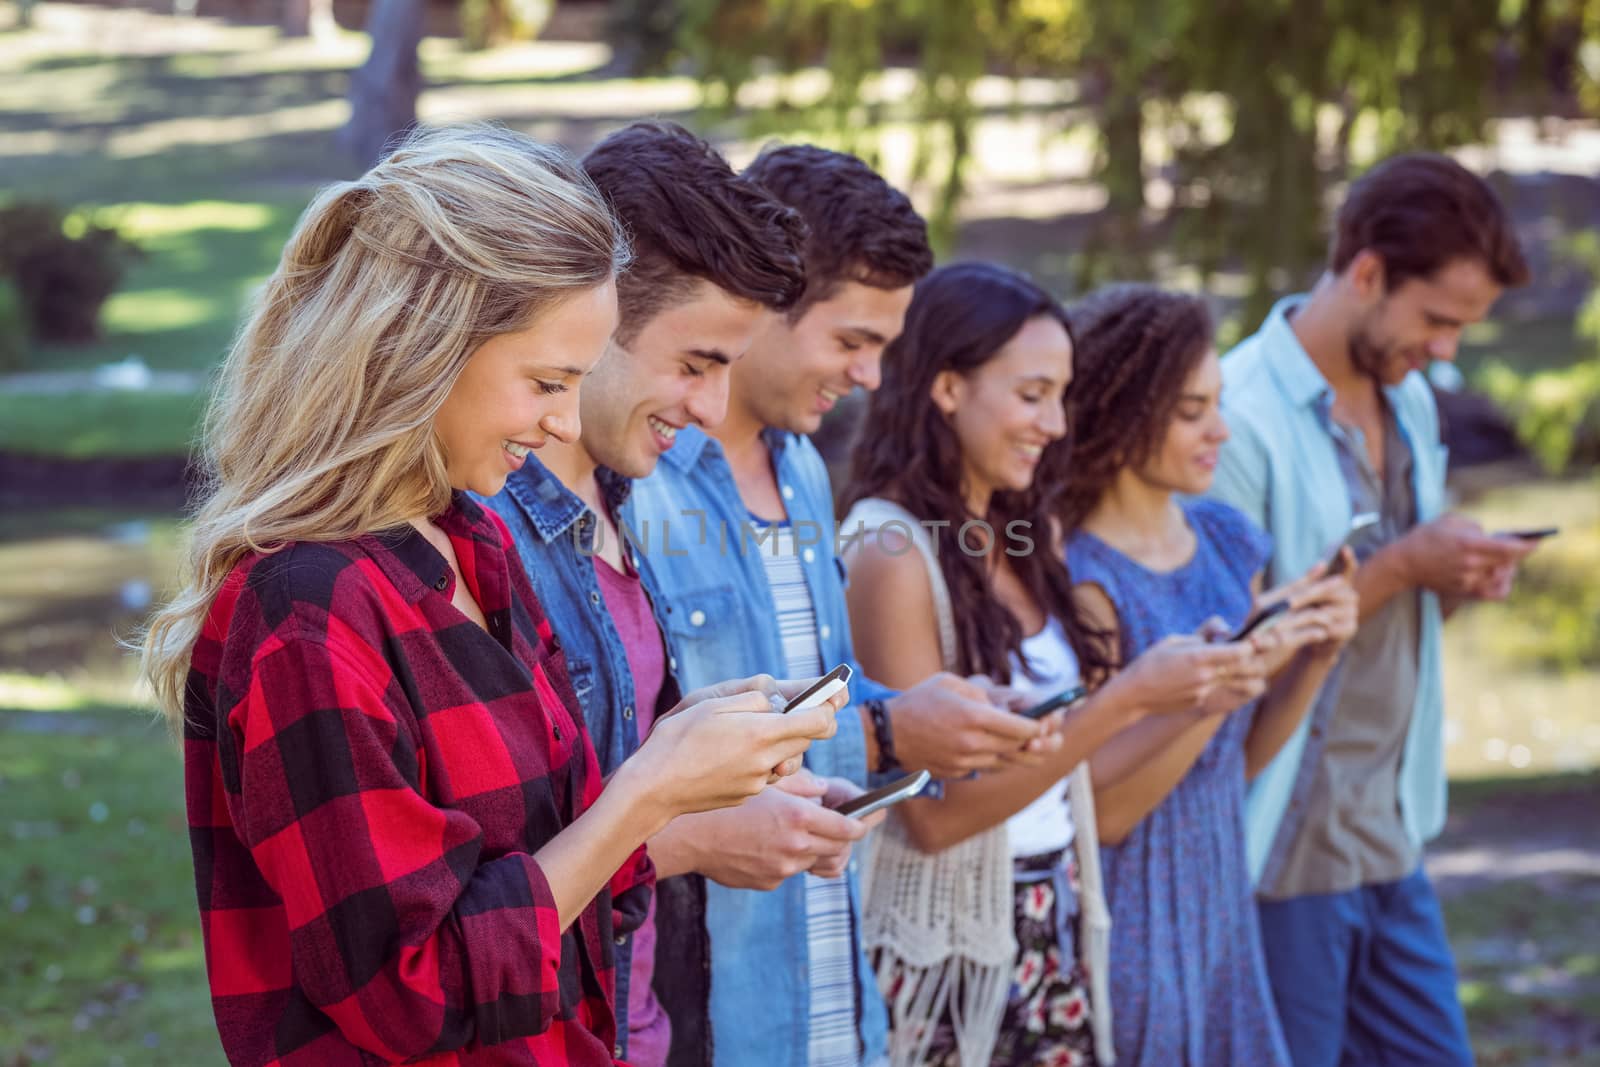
x: 649, y: 1029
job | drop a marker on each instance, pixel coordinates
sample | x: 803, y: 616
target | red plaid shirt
x: 368, y: 774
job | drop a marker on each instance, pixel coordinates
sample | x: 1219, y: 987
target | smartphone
x: 1266, y: 617
x: 821, y: 689
x: 878, y: 799
x: 1358, y: 525
x: 1065, y: 698
x: 1530, y: 535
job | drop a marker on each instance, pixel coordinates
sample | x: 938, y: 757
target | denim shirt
x: 1281, y: 468
x: 554, y: 531
x: 723, y: 624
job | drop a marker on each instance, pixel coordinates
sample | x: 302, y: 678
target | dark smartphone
x: 1061, y: 700
x: 821, y: 689
x: 1359, y: 524
x: 1260, y: 619
x: 1530, y: 535
x: 878, y: 799
x: 1340, y: 563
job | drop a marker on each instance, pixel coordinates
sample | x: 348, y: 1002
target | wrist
x: 643, y: 804
x: 1396, y: 561
x: 672, y: 848
x: 1126, y: 696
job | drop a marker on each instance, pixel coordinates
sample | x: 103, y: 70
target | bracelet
x: 884, y: 735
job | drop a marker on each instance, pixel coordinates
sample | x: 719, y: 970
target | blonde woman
x: 402, y: 849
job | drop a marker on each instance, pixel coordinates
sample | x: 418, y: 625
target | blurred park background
x: 154, y: 156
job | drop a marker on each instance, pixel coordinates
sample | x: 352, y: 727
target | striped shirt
x: 829, y: 924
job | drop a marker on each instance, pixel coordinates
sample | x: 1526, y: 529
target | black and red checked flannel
x: 368, y: 774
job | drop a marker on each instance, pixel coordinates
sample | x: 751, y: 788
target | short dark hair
x: 861, y: 228
x: 690, y: 217
x: 1421, y: 211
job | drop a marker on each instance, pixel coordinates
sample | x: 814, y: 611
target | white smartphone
x: 821, y: 689
x: 878, y: 799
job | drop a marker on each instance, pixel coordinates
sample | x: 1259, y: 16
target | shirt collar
x: 687, y: 448
x: 415, y: 566
x: 693, y: 443
x: 1298, y: 376
x: 1291, y: 364
x: 551, y: 507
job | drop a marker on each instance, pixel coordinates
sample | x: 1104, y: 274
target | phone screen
x: 1530, y: 535
x: 1260, y: 619
x: 1060, y: 700
x: 821, y: 689
x: 893, y: 793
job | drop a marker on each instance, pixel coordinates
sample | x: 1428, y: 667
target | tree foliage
x: 1248, y: 110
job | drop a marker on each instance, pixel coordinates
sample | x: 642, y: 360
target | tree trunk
x: 308, y: 18
x: 383, y: 93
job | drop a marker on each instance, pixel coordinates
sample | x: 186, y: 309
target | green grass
x: 1530, y: 971
x: 92, y: 425
x: 104, y: 961
x: 97, y: 911
x: 178, y: 306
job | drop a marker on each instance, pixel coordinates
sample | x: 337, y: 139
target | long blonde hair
x: 320, y: 428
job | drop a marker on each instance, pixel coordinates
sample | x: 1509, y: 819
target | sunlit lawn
x: 1522, y: 679
x: 1527, y: 950
x: 103, y: 962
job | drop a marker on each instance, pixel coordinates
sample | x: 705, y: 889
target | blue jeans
x: 1365, y: 978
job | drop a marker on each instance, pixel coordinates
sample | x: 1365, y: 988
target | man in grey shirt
x: 1351, y: 832
x: 1330, y: 419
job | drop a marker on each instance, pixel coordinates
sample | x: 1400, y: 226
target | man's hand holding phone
x: 1454, y: 557
x: 786, y: 829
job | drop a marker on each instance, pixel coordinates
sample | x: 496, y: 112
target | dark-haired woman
x: 974, y: 902
x: 1188, y: 983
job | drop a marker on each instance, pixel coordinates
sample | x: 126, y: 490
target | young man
x: 740, y: 528
x: 1331, y: 418
x: 714, y: 257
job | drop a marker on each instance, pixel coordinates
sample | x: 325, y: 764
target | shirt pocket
x: 702, y: 623
x: 581, y: 673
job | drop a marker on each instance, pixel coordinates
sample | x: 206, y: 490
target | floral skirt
x: 1046, y: 1021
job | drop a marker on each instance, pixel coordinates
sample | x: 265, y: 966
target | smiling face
x: 673, y: 373
x: 1006, y: 411
x: 797, y: 371
x: 519, y: 389
x: 1420, y: 320
x: 1186, y: 459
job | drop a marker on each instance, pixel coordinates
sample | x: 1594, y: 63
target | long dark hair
x: 960, y: 317
x: 1134, y: 348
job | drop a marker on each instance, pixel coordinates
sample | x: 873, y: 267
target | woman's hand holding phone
x: 724, y: 743
x: 1189, y: 673
x: 1319, y: 610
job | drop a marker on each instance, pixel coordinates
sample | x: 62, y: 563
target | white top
x: 1045, y: 825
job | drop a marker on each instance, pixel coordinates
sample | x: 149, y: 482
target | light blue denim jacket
x: 1281, y: 468
x: 692, y: 524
